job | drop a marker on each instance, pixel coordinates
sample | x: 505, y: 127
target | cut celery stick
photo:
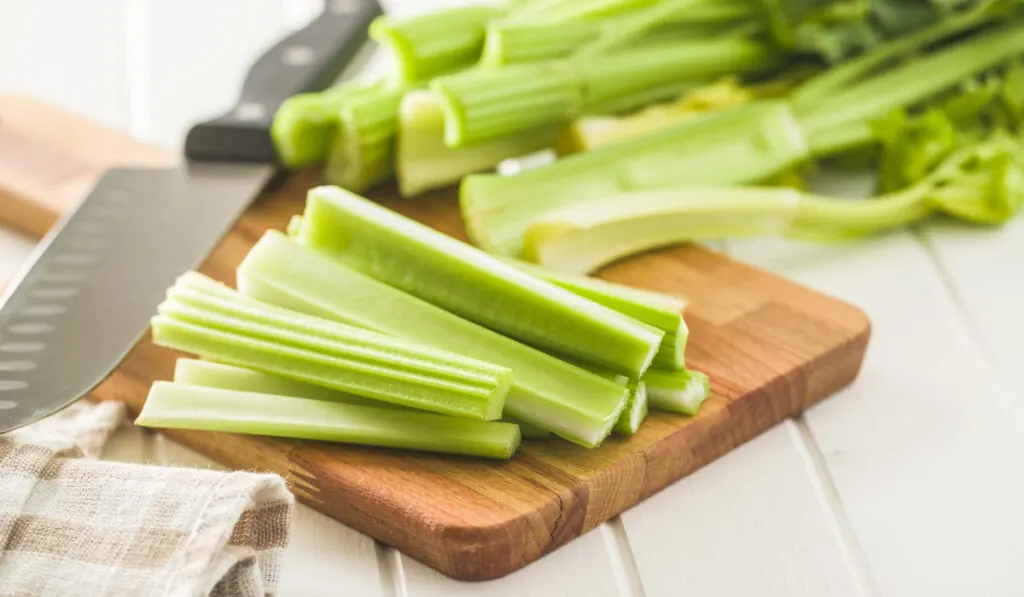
x: 362, y: 153
x: 635, y: 411
x: 529, y: 431
x: 334, y: 355
x: 436, y: 42
x: 192, y: 372
x: 468, y: 282
x: 547, y: 392
x: 423, y: 160
x: 210, y: 409
x: 659, y: 310
x: 677, y: 391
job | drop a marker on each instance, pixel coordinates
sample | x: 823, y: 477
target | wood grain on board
x: 771, y: 347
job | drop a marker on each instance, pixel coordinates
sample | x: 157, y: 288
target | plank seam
x: 623, y: 562
x: 836, y: 517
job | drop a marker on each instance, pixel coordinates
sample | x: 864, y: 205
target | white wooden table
x: 910, y: 482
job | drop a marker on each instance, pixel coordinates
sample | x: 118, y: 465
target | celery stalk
x: 362, y: 153
x: 485, y: 103
x: 470, y: 283
x: 327, y: 353
x: 635, y: 411
x: 659, y: 310
x: 677, y: 391
x: 527, y: 430
x: 191, y: 372
x: 424, y: 162
x: 732, y: 146
x: 512, y: 42
x: 546, y: 391
x: 177, y: 406
x: 434, y: 43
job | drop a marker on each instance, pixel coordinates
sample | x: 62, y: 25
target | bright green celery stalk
x: 362, y: 153
x: 424, y: 162
x: 436, y: 42
x: 246, y: 333
x: 659, y: 310
x: 176, y: 406
x: 981, y: 183
x: 546, y: 391
x: 304, y: 126
x: 635, y: 411
x: 677, y: 391
x: 468, y: 282
x: 731, y: 146
x: 208, y: 374
x: 485, y: 103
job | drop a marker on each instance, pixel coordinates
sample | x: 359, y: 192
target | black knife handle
x: 308, y: 60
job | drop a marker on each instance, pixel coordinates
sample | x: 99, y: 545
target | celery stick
x: 177, y: 406
x: 470, y: 283
x: 363, y: 150
x: 191, y: 372
x: 512, y: 42
x: 424, y: 162
x: 677, y: 391
x: 635, y: 411
x: 436, y: 42
x: 527, y: 430
x: 338, y: 356
x: 547, y: 392
x: 728, y: 147
x: 659, y: 310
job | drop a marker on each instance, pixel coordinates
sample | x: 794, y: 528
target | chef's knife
x: 87, y: 295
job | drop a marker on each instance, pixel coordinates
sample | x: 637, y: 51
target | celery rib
x: 546, y: 391
x: 423, y: 161
x: 659, y: 310
x: 677, y: 391
x: 267, y: 338
x: 636, y: 409
x: 209, y: 409
x: 362, y: 153
x: 470, y: 283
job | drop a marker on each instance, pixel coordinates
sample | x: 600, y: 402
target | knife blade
x: 90, y: 288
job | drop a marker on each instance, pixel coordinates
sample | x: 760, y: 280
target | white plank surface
x: 906, y: 484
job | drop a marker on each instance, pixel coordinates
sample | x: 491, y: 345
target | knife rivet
x: 7, y: 404
x: 12, y: 384
x: 22, y: 347
x: 43, y: 310
x: 298, y: 55
x: 250, y: 111
x: 17, y: 365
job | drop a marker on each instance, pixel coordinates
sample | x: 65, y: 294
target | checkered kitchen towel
x: 72, y: 526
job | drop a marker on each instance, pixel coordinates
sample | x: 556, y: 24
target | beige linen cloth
x: 73, y: 526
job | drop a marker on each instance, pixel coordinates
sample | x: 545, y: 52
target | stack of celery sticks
x: 363, y: 326
x: 679, y: 120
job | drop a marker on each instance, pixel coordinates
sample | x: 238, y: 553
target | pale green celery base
x: 423, y: 160
x: 546, y: 392
x: 729, y: 147
x: 635, y: 411
x: 207, y: 374
x: 414, y: 391
x: 468, y: 282
x: 677, y: 391
x: 209, y: 409
x: 585, y: 237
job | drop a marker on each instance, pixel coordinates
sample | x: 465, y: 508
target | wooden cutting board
x: 771, y: 347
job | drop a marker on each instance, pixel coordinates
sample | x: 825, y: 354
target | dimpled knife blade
x: 96, y: 280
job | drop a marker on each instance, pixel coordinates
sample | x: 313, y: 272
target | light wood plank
x: 924, y: 448
x: 66, y: 52
x: 985, y: 268
x: 752, y: 523
x: 582, y: 567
